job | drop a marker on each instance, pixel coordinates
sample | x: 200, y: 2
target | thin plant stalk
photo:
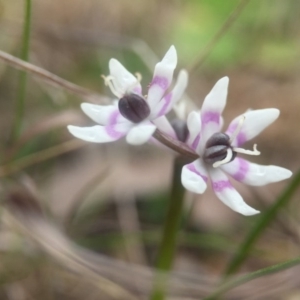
x: 23, y: 75
x: 166, y: 253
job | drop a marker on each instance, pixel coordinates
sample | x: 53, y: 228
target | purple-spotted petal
x: 100, y: 134
x: 194, y: 127
x: 254, y: 174
x: 140, y: 134
x: 123, y: 80
x: 212, y: 109
x: 228, y: 194
x: 194, y: 177
x: 162, y: 78
x: 163, y: 124
x: 255, y: 122
x: 167, y: 102
x: 103, y: 114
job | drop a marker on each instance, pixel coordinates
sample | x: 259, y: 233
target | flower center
x: 219, y: 151
x: 134, y: 108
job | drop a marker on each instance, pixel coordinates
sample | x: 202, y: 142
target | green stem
x: 23, y: 75
x: 260, y: 225
x: 167, y: 248
x: 248, y: 277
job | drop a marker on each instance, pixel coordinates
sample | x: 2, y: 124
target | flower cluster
x: 138, y: 117
x: 134, y: 115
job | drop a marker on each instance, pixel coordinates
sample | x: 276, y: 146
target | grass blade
x: 266, y: 218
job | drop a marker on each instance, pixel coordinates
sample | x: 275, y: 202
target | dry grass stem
x: 82, y: 195
x: 40, y: 156
x: 50, y: 78
x: 129, y: 223
x: 45, y: 125
x: 115, y: 277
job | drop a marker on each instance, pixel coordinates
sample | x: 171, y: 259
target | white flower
x: 133, y: 115
x: 218, y: 151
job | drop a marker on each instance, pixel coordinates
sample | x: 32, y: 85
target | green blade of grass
x: 23, y: 75
x: 253, y: 275
x: 266, y: 218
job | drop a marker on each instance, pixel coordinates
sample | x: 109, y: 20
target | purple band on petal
x: 241, y: 139
x: 162, y: 82
x: 221, y: 185
x: 167, y: 100
x: 196, y: 142
x: 210, y: 116
x: 113, y: 119
x: 192, y: 168
x: 231, y: 128
x: 112, y: 132
x: 137, y: 90
x: 243, y: 170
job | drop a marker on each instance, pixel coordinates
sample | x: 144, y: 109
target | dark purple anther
x: 216, y: 148
x: 218, y: 139
x: 181, y: 129
x: 134, y: 108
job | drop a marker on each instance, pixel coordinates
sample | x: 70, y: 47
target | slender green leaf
x: 248, y: 277
x: 262, y: 223
x: 23, y: 75
x: 168, y: 244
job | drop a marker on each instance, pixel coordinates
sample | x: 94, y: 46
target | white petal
x: 221, y: 123
x: 103, y: 114
x: 254, y: 174
x: 255, y: 122
x: 163, y: 124
x: 180, y: 110
x: 194, y: 177
x: 162, y: 77
x: 140, y: 134
x: 228, y: 194
x: 98, y: 133
x: 167, y: 103
x: 123, y: 80
x: 194, y: 127
x: 212, y: 109
x: 180, y: 86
